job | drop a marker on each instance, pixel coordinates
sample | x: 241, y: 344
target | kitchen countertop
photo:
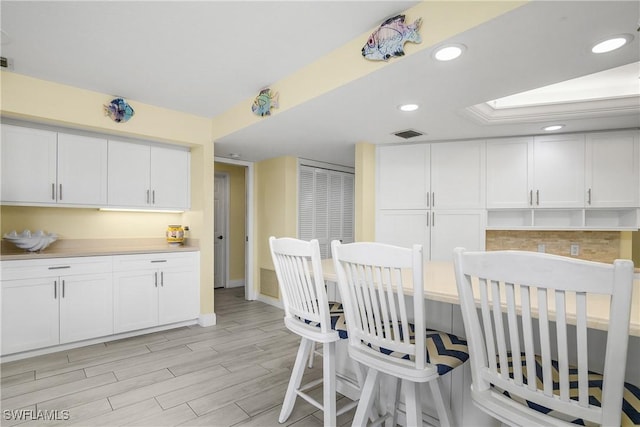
x: 64, y: 248
x: 440, y: 285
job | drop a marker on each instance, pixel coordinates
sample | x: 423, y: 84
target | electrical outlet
x: 541, y: 248
x: 575, y: 249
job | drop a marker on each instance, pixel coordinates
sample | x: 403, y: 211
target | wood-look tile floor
x: 232, y: 374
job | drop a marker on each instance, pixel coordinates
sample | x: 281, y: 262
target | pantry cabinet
x: 57, y: 301
x: 41, y: 167
x: 150, y: 290
x: 432, y: 194
x: 146, y: 176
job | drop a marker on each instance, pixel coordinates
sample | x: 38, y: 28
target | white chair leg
x: 312, y: 354
x: 394, y: 390
x: 366, y: 399
x: 329, y: 383
x: 295, y: 380
x: 413, y: 404
x: 442, y: 404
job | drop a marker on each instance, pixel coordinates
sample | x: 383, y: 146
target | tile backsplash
x: 603, y: 246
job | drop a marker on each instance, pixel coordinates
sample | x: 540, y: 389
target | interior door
x: 219, y: 230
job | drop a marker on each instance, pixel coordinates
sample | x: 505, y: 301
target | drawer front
x: 33, y: 269
x: 154, y: 261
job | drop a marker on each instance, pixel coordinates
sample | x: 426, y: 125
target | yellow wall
x: 276, y: 208
x: 365, y: 201
x: 237, y: 218
x: 37, y: 100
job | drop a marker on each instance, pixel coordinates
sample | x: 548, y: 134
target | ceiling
x: 205, y: 57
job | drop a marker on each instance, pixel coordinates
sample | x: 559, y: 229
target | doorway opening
x: 233, y: 224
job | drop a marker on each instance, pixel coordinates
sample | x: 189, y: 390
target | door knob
x: 220, y: 237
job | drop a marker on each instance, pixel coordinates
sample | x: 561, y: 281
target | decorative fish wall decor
x: 389, y: 39
x: 119, y: 110
x: 264, y: 102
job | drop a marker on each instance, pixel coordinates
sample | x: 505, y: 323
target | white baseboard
x: 270, y: 300
x: 208, y: 319
x: 235, y: 283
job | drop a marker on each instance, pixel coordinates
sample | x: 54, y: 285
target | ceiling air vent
x: 409, y: 133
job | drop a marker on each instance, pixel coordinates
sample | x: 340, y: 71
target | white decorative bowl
x: 32, y: 242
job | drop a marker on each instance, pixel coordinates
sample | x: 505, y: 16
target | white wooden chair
x: 308, y: 314
x: 376, y: 282
x: 513, y: 304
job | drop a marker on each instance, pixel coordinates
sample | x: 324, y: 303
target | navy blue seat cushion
x: 338, y: 323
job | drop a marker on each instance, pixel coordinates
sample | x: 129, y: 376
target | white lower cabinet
x: 151, y: 290
x: 56, y: 301
x: 439, y: 232
x: 49, y: 302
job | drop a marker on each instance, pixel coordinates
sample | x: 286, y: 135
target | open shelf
x: 563, y: 219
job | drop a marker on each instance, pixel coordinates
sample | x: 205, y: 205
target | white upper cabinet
x: 82, y: 170
x: 558, y: 171
x: 28, y: 165
x: 509, y: 173
x: 404, y: 176
x: 147, y: 176
x: 612, y: 172
x: 42, y: 167
x: 457, y: 175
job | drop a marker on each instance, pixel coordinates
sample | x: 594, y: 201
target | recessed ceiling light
x: 611, y: 43
x: 552, y: 128
x: 408, y: 107
x: 234, y: 155
x: 448, y: 52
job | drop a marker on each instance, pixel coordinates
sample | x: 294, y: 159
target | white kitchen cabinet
x: 82, y: 170
x: 30, y: 313
x: 155, y: 289
x: 41, y: 167
x: 558, y: 171
x: 612, y: 169
x: 458, y: 175
x: 28, y: 165
x: 432, y: 194
x: 510, y: 173
x: 146, y: 176
x: 403, y: 176
x: 55, y: 301
x: 439, y: 231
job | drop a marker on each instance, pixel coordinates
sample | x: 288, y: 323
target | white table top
x: 440, y: 285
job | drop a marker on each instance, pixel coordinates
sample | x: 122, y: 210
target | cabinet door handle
x: 530, y: 197
x: 153, y: 197
x: 433, y: 219
x: 147, y: 196
x: 53, y: 191
x: 63, y: 289
x: 162, y: 278
x: 155, y: 279
x: 427, y: 220
x: 433, y: 199
x: 158, y: 260
x: 55, y: 289
x: 59, y: 267
x: 537, y: 197
x: 428, y: 199
x: 589, y: 196
x: 60, y: 192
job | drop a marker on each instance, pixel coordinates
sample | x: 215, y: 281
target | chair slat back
x: 373, y: 279
x: 516, y: 306
x: 299, y: 271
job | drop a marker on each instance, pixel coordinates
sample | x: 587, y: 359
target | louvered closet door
x: 325, y: 206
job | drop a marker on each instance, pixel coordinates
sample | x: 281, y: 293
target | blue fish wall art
x: 264, y: 102
x: 119, y: 110
x: 388, y: 40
